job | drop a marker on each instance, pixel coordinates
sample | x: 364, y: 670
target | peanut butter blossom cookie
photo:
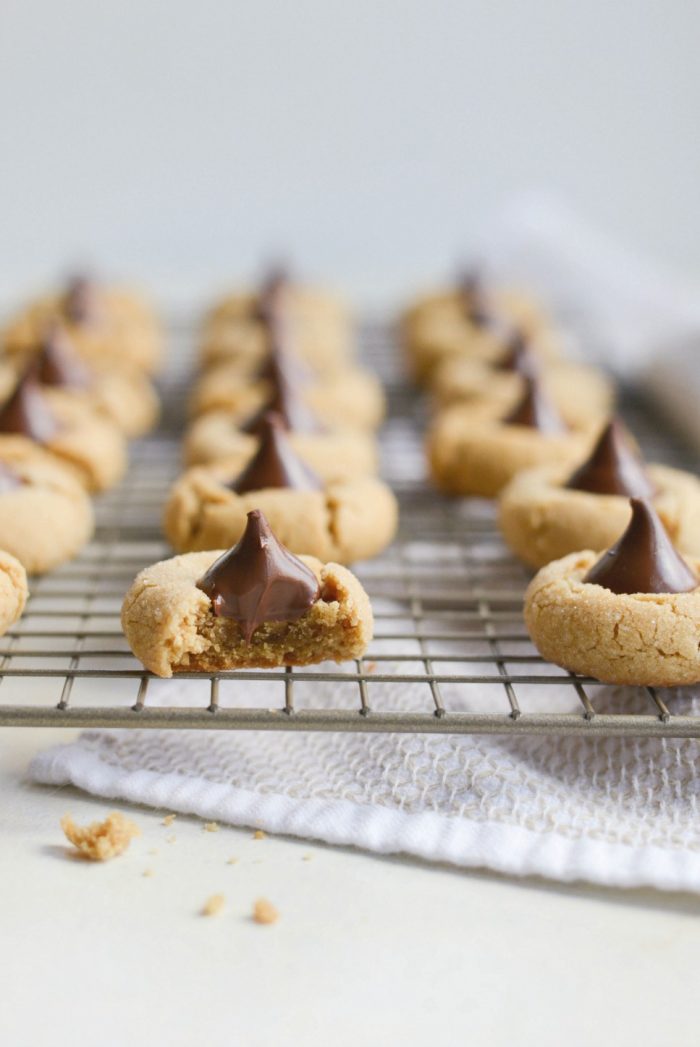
x: 547, y: 512
x: 13, y: 590
x: 630, y: 616
x: 331, y: 452
x: 581, y: 394
x: 254, y: 606
x: 476, y: 450
x: 89, y: 445
x: 237, y: 328
x: 107, y: 326
x: 342, y: 520
x: 472, y: 321
x: 45, y: 515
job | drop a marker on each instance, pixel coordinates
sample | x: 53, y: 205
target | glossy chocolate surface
x: 259, y: 580
x: 518, y: 357
x: 58, y: 364
x: 643, y: 560
x: 287, y: 402
x: 27, y: 412
x: 612, y: 468
x: 470, y: 288
x: 275, y: 464
x: 271, y: 294
x: 81, y: 301
x: 535, y: 410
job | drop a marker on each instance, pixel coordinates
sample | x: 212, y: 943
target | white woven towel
x: 611, y: 811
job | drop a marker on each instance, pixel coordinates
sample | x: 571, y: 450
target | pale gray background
x: 181, y: 142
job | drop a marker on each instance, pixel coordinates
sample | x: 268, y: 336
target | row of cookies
x: 618, y: 543
x: 281, y: 492
x: 295, y: 437
x: 74, y: 386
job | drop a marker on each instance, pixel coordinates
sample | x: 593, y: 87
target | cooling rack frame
x: 447, y: 580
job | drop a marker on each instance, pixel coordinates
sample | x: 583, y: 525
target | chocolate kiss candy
x: 259, y: 580
x: 471, y: 291
x: 612, y: 468
x: 9, y: 480
x: 535, y: 410
x: 271, y: 293
x: 81, y: 301
x: 288, y: 404
x: 517, y: 357
x: 26, y: 412
x: 275, y: 464
x: 58, y: 364
x: 643, y: 560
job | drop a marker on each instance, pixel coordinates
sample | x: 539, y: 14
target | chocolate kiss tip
x: 518, y: 356
x: 275, y: 463
x: 259, y: 580
x: 613, y: 467
x: 643, y: 560
x: 535, y: 411
x: 27, y: 412
x: 80, y: 300
x: 57, y: 362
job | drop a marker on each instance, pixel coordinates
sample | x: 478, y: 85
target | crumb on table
x: 100, y: 841
x: 232, y: 861
x: 170, y: 839
x: 214, y: 905
x: 169, y: 819
x: 265, y: 912
x: 211, y: 827
x: 148, y: 872
x: 259, y: 834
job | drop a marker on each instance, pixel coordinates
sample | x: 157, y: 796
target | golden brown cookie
x: 543, y: 520
x: 124, y: 396
x: 90, y: 443
x: 649, y: 639
x: 352, y: 397
x: 582, y: 394
x: 325, y: 346
x: 443, y: 327
x: 472, y: 450
x: 334, y: 455
x: 306, y: 302
x: 13, y: 590
x: 347, y: 520
x: 45, y: 515
x: 171, y: 626
x: 107, y: 326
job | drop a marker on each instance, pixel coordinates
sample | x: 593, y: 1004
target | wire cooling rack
x: 450, y: 654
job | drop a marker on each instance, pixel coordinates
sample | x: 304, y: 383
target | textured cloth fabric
x: 610, y: 811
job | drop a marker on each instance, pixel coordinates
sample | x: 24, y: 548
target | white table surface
x: 367, y: 950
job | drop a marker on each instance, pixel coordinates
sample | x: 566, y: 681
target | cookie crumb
x: 211, y: 827
x: 306, y: 857
x: 101, y: 841
x: 232, y: 861
x: 214, y: 905
x: 170, y: 839
x: 147, y: 872
x: 371, y: 667
x: 265, y: 912
x: 169, y: 819
x: 259, y: 835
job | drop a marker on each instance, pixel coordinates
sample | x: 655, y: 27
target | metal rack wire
x: 450, y: 655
